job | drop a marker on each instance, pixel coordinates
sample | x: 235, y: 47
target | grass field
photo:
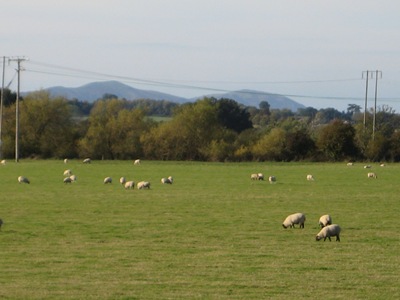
x: 213, y: 234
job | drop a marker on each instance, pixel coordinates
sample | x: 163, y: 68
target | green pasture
x: 212, y: 234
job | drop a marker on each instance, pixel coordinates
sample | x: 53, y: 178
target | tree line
x: 206, y: 130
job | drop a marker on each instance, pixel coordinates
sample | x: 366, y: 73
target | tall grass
x: 213, y: 233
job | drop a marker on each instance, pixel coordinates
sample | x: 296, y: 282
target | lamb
x: 328, y: 232
x: 122, y: 180
x: 22, y: 179
x: 67, y: 172
x: 272, y: 179
x: 73, y: 178
x: 310, y: 177
x: 87, y: 161
x: 136, y: 162
x: 129, y: 185
x: 324, y: 221
x: 67, y: 180
x: 297, y: 218
x: 107, y: 180
x: 372, y: 175
x: 168, y: 180
x: 143, y: 185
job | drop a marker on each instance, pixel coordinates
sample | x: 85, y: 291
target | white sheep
x: 367, y: 167
x: 372, y: 175
x: 382, y: 165
x: 260, y: 176
x: 3, y: 162
x: 143, y: 185
x: 272, y: 179
x: 87, y: 161
x: 310, y: 177
x: 254, y: 176
x: 297, y: 218
x: 22, y: 179
x: 67, y: 180
x: 65, y: 160
x: 73, y: 178
x: 107, y: 180
x: 122, y: 180
x: 325, y: 220
x: 67, y: 172
x: 328, y: 232
x: 350, y: 164
x: 136, y: 162
x: 129, y: 185
x: 168, y: 180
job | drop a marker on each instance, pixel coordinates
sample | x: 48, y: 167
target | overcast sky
x: 312, y: 51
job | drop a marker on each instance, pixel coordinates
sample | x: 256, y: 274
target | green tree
x: 271, y: 146
x: 232, y: 116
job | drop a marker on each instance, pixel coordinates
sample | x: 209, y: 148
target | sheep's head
x: 317, y: 238
x: 283, y: 225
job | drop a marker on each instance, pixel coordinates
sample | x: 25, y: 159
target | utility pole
x: 18, y: 60
x: 1, y: 107
x: 377, y: 74
x: 367, y: 76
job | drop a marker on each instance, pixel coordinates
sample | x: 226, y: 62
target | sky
x: 314, y: 52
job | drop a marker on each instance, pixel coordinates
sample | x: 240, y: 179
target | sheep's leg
x: 337, y: 238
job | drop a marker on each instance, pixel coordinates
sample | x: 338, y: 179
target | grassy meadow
x: 212, y: 234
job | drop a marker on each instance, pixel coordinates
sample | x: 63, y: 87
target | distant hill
x: 96, y: 90
x: 253, y: 98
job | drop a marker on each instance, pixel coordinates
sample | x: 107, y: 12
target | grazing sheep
x: 297, y: 218
x: 65, y: 160
x: 129, y: 185
x: 260, y: 176
x: 272, y: 179
x: 73, y: 178
x: 22, y: 179
x: 67, y: 172
x: 367, y: 167
x: 67, y: 180
x: 325, y: 220
x: 350, y: 164
x: 310, y: 177
x: 136, y: 162
x: 291, y: 220
x: 382, y: 165
x: 107, y: 180
x: 122, y: 180
x: 3, y: 162
x: 328, y: 232
x: 87, y: 161
x: 372, y: 175
x: 254, y: 176
x: 166, y: 180
x: 143, y: 185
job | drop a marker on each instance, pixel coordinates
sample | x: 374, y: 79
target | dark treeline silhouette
x: 209, y: 129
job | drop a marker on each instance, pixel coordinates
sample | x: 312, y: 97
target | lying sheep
x: 87, y: 161
x: 67, y: 172
x: 67, y: 180
x: 272, y: 179
x: 143, y: 185
x: 73, y: 178
x: 129, y: 185
x: 122, y: 180
x: 328, y: 232
x: 22, y: 179
x: 107, y: 180
x: 297, y: 218
x: 325, y: 220
x: 310, y: 177
x: 372, y: 175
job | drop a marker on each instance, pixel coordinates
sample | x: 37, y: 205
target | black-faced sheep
x: 328, y: 232
x: 325, y: 220
x: 272, y: 179
x: 67, y: 180
x: 291, y: 220
x: 22, y: 179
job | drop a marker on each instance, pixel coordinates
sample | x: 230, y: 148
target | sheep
x: 372, y: 175
x: 324, y: 221
x: 87, y: 161
x: 67, y: 180
x: 350, y: 164
x: 367, y: 167
x: 328, y: 232
x: 170, y: 178
x: 22, y: 179
x: 73, y: 178
x: 310, y: 177
x: 382, y: 165
x: 129, y: 185
x: 67, y: 172
x: 3, y: 162
x: 272, y: 179
x: 254, y: 176
x: 260, y: 176
x: 107, y: 180
x: 136, y: 162
x: 166, y: 180
x: 297, y: 218
x: 65, y: 160
x: 122, y: 180
x: 143, y: 185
